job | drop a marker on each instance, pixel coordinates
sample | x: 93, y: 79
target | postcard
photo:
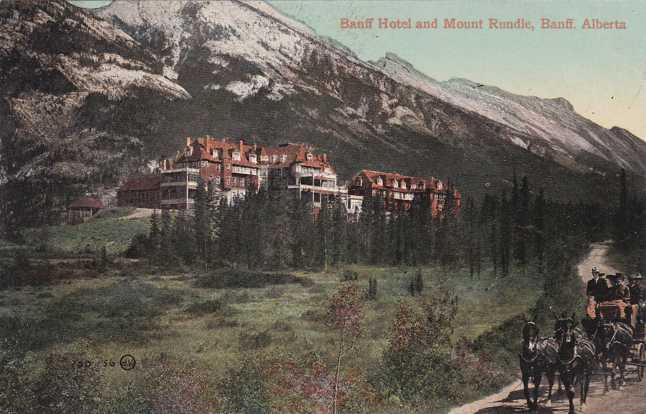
x: 308, y: 206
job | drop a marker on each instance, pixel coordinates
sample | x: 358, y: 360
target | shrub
x: 350, y: 275
x: 209, y: 306
x: 173, y: 389
x: 417, y: 365
x: 275, y: 292
x: 138, y: 247
x: 254, y: 340
x: 65, y: 388
x: 221, y: 322
x: 244, y: 391
x: 232, y: 278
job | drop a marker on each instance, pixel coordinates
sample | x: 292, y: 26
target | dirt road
x: 631, y: 400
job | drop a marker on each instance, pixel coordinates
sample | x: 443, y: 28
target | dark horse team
x: 614, y: 322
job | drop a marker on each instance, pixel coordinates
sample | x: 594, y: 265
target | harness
x: 575, y: 355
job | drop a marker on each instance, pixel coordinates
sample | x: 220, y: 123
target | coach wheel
x: 642, y: 361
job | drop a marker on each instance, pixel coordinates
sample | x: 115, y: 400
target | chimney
x: 241, y: 142
x: 324, y: 157
x: 188, y: 141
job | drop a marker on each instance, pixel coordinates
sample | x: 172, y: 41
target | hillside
x: 93, y: 95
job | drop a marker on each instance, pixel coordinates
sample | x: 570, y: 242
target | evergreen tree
x: 166, y: 252
x: 505, y: 230
x: 379, y: 240
x: 183, y: 238
x: 302, y: 226
x: 281, y: 233
x: 201, y: 224
x: 539, y: 233
x: 621, y: 214
x: 323, y: 231
x: 338, y: 231
x: 154, y: 237
x: 419, y: 282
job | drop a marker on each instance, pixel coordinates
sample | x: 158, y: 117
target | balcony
x: 189, y: 184
x: 168, y: 201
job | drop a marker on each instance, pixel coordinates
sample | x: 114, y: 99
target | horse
x: 613, y: 340
x: 576, y: 354
x: 538, y: 356
x: 617, y: 341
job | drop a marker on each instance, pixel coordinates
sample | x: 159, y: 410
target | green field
x: 150, y: 316
x: 111, y: 229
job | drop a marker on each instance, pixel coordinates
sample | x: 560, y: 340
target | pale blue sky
x: 603, y: 73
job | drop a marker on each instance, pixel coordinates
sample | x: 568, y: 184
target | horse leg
x: 567, y: 384
x: 526, y: 390
x: 582, y: 379
x: 622, y: 368
x: 550, y: 380
x: 604, y: 367
x: 613, y: 384
x: 588, y: 375
x: 537, y: 386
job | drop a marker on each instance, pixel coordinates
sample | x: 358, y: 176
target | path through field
x: 631, y: 400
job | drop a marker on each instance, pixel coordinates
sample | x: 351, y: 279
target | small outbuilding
x: 82, y: 209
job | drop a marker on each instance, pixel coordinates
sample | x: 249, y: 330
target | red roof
x: 389, y: 178
x: 142, y: 183
x: 87, y: 202
x: 282, y: 156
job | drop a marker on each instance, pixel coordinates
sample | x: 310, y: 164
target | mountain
x: 553, y: 123
x: 97, y: 93
x: 62, y: 70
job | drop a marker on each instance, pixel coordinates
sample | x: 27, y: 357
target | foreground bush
x: 233, y: 278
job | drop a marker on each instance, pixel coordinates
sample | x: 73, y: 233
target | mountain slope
x: 93, y: 94
x: 61, y: 69
x: 247, y: 52
x: 553, y: 121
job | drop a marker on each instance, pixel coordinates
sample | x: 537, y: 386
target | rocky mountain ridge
x: 94, y: 94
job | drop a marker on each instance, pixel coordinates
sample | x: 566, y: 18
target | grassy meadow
x: 191, y: 339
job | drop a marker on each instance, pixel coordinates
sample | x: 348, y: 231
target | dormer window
x: 236, y: 155
x: 413, y: 186
x: 403, y: 184
x: 283, y: 157
x: 274, y: 158
x: 253, y: 159
x: 380, y: 181
x: 309, y: 156
x: 264, y: 158
x: 395, y: 184
x: 215, y: 153
x: 421, y: 185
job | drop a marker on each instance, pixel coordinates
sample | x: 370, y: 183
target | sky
x: 601, y: 72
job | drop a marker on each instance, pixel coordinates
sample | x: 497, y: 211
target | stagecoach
x: 615, y: 310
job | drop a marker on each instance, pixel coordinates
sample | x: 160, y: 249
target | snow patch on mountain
x: 554, y: 121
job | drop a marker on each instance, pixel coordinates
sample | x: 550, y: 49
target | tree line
x: 277, y: 229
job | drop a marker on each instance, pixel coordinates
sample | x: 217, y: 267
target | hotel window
x: 283, y: 157
x: 236, y: 155
x: 252, y: 158
x: 403, y: 184
x: 395, y: 184
x: 309, y: 156
x: 380, y: 181
x: 274, y: 158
